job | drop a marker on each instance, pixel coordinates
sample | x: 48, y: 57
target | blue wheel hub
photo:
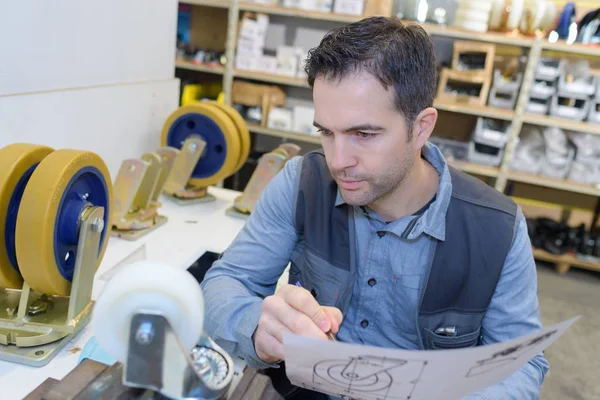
x: 10, y: 225
x: 86, y: 188
x: 203, y: 126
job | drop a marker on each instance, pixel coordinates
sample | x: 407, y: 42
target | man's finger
x: 288, y: 319
x: 335, y: 317
x: 268, y: 348
x: 303, y: 301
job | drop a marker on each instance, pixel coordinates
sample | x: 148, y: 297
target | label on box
x: 267, y: 64
x: 249, y: 47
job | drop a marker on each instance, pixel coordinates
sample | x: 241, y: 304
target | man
x: 390, y: 247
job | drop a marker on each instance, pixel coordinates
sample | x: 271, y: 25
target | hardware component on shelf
x: 558, y: 153
x: 258, y: 95
x: 594, y: 113
x: 137, y: 189
x: 504, y: 92
x: 469, y: 79
x: 471, y: 16
x: 537, y: 105
x: 213, y: 142
x: 154, y: 333
x: 529, y: 152
x: 586, y: 164
x: 487, y: 144
x: 54, y: 211
x: 463, y: 87
x: 569, y: 108
x: 549, y: 69
x: 268, y: 166
x: 541, y: 89
x: 575, y: 80
x: 475, y: 57
x: 451, y: 149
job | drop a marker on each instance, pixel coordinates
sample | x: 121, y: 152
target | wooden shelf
x: 564, y: 261
x: 475, y: 169
x: 271, y: 78
x: 547, y: 120
x: 301, y: 137
x: 576, y: 48
x: 208, y: 3
x: 219, y: 70
x: 292, y: 12
x: 489, y: 37
x: 561, y: 184
x: 482, y: 111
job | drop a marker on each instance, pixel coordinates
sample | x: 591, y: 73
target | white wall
x: 95, y: 75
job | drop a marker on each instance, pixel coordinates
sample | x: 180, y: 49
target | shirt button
x: 381, y: 233
x: 372, y: 282
x: 364, y: 323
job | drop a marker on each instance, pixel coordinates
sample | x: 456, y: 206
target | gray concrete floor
x: 575, y: 357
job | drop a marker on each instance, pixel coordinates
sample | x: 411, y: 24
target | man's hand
x: 292, y: 309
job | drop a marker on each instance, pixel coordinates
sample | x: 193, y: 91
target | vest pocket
x: 322, y: 279
x: 440, y: 342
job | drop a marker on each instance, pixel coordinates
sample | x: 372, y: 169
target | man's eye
x: 324, y: 132
x: 365, y: 135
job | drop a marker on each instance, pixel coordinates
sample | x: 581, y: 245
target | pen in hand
x: 329, y: 334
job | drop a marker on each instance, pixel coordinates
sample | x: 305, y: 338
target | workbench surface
x: 190, y: 232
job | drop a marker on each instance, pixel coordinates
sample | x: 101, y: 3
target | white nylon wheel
x: 148, y: 286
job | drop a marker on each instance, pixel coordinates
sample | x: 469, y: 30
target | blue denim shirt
x: 388, y: 281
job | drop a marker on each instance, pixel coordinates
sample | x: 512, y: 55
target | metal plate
x: 131, y: 235
x: 47, y: 233
x: 268, y: 166
x: 243, y: 131
x: 216, y: 129
x: 17, y: 163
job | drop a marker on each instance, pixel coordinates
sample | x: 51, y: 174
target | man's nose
x: 342, y: 154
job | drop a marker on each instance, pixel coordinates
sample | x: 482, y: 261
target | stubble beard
x: 378, y: 188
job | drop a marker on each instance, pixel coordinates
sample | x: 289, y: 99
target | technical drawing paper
x: 353, y: 371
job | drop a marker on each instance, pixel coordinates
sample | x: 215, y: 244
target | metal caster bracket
x: 137, y: 190
x: 34, y: 327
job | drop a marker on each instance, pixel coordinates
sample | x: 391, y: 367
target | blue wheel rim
x: 216, y: 146
x: 10, y: 225
x: 87, y: 187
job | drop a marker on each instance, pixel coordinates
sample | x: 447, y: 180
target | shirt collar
x: 433, y: 220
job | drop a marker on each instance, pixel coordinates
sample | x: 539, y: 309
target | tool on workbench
x: 137, y: 190
x: 154, y: 333
x: 54, y: 211
x: 268, y: 166
x: 213, y: 142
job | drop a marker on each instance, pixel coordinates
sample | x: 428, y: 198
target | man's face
x: 365, y: 139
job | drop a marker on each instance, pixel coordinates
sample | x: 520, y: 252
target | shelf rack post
x: 535, y: 52
x: 230, y: 46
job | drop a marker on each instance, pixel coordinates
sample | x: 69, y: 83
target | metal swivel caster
x: 149, y: 318
x: 53, y: 233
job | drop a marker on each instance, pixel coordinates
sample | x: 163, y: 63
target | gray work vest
x: 460, y: 278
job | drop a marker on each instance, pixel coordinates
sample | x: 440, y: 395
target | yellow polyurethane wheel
x: 243, y: 131
x: 59, y: 189
x: 222, y: 150
x: 17, y: 162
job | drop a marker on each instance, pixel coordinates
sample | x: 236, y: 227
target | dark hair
x: 399, y: 55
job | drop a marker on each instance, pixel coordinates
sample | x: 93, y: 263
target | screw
x: 145, y: 333
x: 97, y: 224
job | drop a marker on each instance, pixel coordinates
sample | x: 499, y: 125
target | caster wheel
x: 243, y: 131
x: 17, y: 163
x: 47, y: 231
x: 223, y: 145
x: 153, y: 287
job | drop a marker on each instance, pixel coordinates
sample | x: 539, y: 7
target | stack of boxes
x: 565, y: 89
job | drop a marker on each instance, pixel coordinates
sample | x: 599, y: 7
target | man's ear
x: 423, y: 126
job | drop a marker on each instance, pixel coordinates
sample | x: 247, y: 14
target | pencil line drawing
x: 369, y: 377
x: 506, y: 356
